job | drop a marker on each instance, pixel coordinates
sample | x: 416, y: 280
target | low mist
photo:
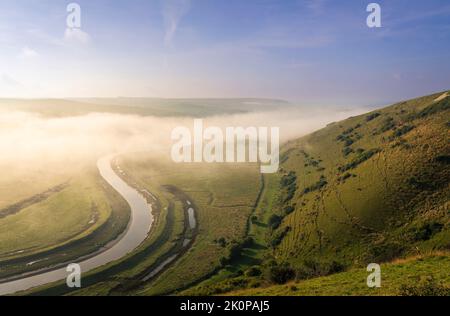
x: 29, y: 140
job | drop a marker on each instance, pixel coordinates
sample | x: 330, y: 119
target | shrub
x: 402, y: 131
x: 222, y: 242
x: 278, y: 237
x: 317, y: 186
x: 435, y: 108
x: 275, y: 221
x: 347, y: 151
x: 280, y: 274
x: 348, y: 131
x: 388, y: 124
x: 288, y: 179
x: 312, y: 268
x: 444, y: 159
x: 427, y: 286
x: 428, y: 230
x: 253, y: 271
x: 386, y: 252
x: 288, y: 209
x: 345, y: 177
x: 359, y: 160
x: 235, y: 250
x: 372, y: 116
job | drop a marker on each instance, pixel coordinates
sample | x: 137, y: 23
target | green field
x: 80, y: 215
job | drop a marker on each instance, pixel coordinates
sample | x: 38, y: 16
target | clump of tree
x: 385, y: 252
x: 312, y: 268
x: 278, y: 236
x: 388, y: 124
x: 402, y: 131
x: 359, y: 159
x: 346, y: 176
x: 347, y: 151
x: 444, y: 159
x: 288, y: 179
x: 434, y: 108
x: 316, y: 186
x: 275, y: 221
x: 279, y: 273
x: 253, y: 271
x: 347, y: 140
x: 288, y: 184
x: 288, y: 209
x: 425, y: 286
x: 222, y: 242
x: 427, y: 231
x: 372, y: 116
x: 234, y: 250
x: 418, y: 184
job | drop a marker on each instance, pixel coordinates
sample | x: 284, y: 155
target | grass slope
x: 368, y: 189
x: 426, y: 275
x: 371, y: 188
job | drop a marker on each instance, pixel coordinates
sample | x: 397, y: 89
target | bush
x: 425, y: 287
x: 288, y: 179
x: 386, y: 252
x: 347, y: 151
x: 388, y: 124
x: 359, y: 160
x: 235, y: 250
x: 426, y: 231
x: 317, y: 186
x: 278, y: 237
x: 280, y: 274
x: 312, y: 268
x: 288, y: 209
x: 275, y: 221
x: 289, y: 182
x: 435, y: 108
x: 222, y: 242
x: 402, y: 131
x: 253, y: 271
x: 372, y: 117
x: 443, y: 159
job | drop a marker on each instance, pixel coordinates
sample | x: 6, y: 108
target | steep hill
x: 372, y: 188
x: 368, y: 189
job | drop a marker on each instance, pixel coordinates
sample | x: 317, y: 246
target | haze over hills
x: 143, y: 106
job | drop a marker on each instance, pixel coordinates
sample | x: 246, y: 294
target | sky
x: 315, y: 52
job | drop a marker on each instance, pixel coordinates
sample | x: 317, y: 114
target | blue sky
x: 310, y: 51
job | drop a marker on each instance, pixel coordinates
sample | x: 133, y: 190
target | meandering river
x: 138, y: 228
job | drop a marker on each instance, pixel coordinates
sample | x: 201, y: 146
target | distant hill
x: 142, y: 106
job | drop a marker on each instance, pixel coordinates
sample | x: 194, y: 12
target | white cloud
x: 173, y: 11
x: 77, y: 36
x: 28, y: 53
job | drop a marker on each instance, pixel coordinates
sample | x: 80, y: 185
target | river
x: 137, y: 231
